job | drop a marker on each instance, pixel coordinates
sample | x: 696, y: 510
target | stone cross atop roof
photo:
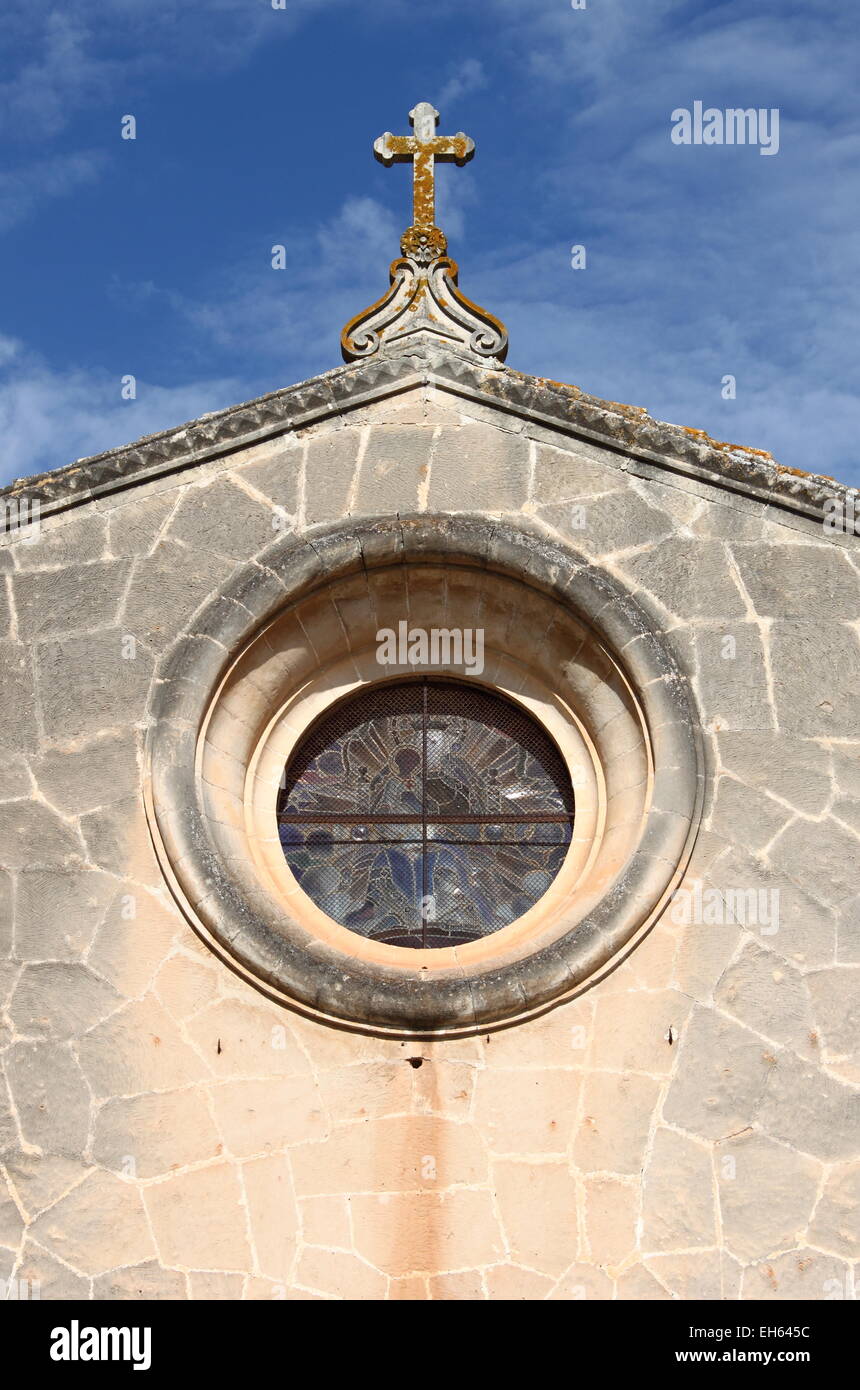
x: 423, y: 149
x: 424, y: 298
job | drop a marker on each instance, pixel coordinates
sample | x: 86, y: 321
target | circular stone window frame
x: 213, y: 765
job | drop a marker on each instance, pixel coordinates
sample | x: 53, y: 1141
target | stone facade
x: 685, y: 1125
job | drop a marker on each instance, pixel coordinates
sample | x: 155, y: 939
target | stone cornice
x: 628, y: 430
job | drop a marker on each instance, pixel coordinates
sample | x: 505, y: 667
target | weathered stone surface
x: 135, y: 523
x: 769, y: 996
x: 688, y: 576
x: 611, y: 1209
x: 821, y: 859
x: 804, y: 1107
x: 166, y: 590
x: 6, y: 892
x: 75, y: 537
x: 631, y: 1035
x: 15, y: 779
x: 799, y: 1277
x: 399, y: 1233
x: 339, y: 1275
x: 732, y: 677
x: 51, y: 603
x: 145, y: 1136
x: 276, y: 475
x: 30, y: 833
x: 259, y: 1116
x: 99, y: 1226
x: 51, y: 1096
x: 835, y: 996
x: 537, y: 1204
x: 249, y: 1038
x: 678, y: 1209
x: 57, y: 912
x: 115, y: 837
x: 695, y: 1275
x: 55, y: 999
x: 223, y: 518
x: 638, y: 1284
x: 783, y: 580
x: 95, y: 773
x: 836, y: 1223
x: 135, y: 935
x: 794, y: 769
x: 745, y: 817
x: 403, y: 1154
x: 183, y: 1239
x: 474, y: 467
x: 527, y: 1111
x: 330, y: 467
x: 767, y: 1193
x: 573, y: 474
x: 18, y: 730
x: 395, y: 470
x: 805, y: 929
x: 816, y: 674
x: 367, y: 1091
x: 146, y: 1282
x: 613, y: 1131
x: 54, y: 1280
x: 11, y: 1221
x: 139, y: 1048
x: 39, y: 1179
x: 272, y: 1214
x: 581, y: 1282
x: 722, y: 1074
x: 86, y: 684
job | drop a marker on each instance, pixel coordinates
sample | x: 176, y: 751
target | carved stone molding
x: 424, y: 299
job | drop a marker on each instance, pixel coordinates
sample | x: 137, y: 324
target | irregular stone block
x: 86, y: 683
x: 770, y: 997
x: 527, y: 1111
x: 767, y: 1193
x: 51, y: 1096
x: 184, y: 1239
x: 400, y: 1233
x: 52, y: 603
x: 474, y: 468
x: 816, y: 675
x: 807, y: 1109
x: 403, y: 1154
x: 147, y: 1282
x: 616, y: 1112
x: 146, y: 1136
x: 836, y: 1223
x: 722, y: 1072
x: 60, y: 1000
x: 95, y: 773
x: 678, y: 1203
x: 221, y: 517
x: 537, y: 1203
x: 97, y: 1226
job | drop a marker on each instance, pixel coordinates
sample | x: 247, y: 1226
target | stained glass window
x: 426, y: 813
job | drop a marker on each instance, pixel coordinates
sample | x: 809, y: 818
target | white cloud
x: 466, y: 79
x: 48, y: 418
x: 22, y: 189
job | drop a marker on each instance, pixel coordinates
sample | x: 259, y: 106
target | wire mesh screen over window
x: 426, y: 813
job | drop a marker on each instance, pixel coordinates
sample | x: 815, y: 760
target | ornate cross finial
x: 424, y: 300
x: 423, y: 149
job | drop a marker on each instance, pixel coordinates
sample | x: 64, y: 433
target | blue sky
x: 255, y: 126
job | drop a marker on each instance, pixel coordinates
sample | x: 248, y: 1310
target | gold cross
x: 424, y: 148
